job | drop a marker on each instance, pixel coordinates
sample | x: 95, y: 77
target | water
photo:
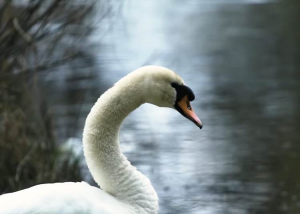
x: 241, y: 60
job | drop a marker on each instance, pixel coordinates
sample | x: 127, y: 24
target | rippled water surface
x: 241, y: 60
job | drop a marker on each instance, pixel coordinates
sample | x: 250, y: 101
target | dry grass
x: 33, y: 38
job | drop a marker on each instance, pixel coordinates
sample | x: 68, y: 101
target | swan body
x: 124, y: 190
x: 67, y: 198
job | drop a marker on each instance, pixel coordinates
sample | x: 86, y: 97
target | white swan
x: 124, y: 189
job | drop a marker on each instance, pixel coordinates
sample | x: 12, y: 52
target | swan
x: 124, y: 190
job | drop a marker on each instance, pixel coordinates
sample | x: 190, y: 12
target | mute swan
x: 125, y: 190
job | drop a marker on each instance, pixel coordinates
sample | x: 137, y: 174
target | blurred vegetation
x: 35, y: 36
x: 288, y: 11
x: 285, y: 197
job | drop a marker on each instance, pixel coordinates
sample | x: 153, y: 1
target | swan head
x: 164, y: 88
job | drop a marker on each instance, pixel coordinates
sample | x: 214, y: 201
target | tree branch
x: 23, y: 34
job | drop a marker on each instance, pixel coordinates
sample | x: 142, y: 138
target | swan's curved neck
x: 108, y: 165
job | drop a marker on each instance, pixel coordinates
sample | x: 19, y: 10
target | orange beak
x: 188, y: 112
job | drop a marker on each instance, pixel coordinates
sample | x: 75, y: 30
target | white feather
x: 124, y: 189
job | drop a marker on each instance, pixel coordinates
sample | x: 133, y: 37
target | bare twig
x: 49, y: 65
x: 4, y: 6
x: 23, y: 34
x: 46, y: 13
x: 32, y: 41
x: 74, y: 18
x: 25, y: 160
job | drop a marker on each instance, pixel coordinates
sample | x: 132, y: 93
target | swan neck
x: 109, y: 167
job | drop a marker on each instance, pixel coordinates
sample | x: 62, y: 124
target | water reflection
x: 236, y: 58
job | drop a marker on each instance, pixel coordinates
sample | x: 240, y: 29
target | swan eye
x: 189, y: 106
x: 183, y: 90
